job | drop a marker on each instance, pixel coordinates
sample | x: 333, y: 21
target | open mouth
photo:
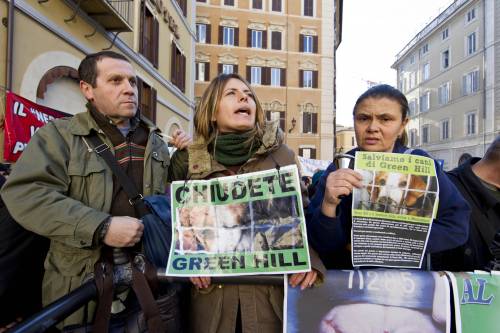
x: 243, y: 110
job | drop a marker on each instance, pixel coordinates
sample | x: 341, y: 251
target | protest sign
x: 245, y: 224
x: 477, y: 301
x: 392, y: 213
x: 374, y: 300
x: 310, y: 166
x: 22, y: 119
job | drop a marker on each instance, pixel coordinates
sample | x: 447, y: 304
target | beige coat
x: 214, y: 310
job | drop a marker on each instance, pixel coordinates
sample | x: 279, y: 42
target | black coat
x: 484, y: 224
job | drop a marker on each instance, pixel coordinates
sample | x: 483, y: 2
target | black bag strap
x: 103, y: 150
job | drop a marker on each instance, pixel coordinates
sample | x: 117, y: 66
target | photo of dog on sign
x: 396, y: 193
x: 261, y: 225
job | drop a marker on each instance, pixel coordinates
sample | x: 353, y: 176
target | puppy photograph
x: 261, y: 225
x: 396, y: 193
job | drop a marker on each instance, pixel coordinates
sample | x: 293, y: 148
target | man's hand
x: 124, y: 231
x: 180, y: 139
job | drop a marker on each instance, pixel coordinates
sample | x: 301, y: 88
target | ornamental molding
x: 308, y: 65
x: 308, y: 107
x: 229, y: 22
x: 276, y: 62
x: 276, y: 27
x: 203, y: 20
x: 202, y: 57
x: 257, y: 26
x: 274, y: 106
x: 228, y: 59
x: 256, y: 61
x: 308, y: 31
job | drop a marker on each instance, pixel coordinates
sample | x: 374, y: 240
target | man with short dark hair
x: 479, y: 182
x: 60, y: 188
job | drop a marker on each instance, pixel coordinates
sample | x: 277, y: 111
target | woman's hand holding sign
x: 339, y: 182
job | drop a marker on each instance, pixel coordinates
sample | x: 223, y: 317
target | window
x: 308, y: 79
x: 202, y: 71
x: 445, y: 59
x: 471, y: 15
x: 470, y: 123
x: 412, y: 59
x: 183, y: 5
x: 445, y: 129
x: 425, y: 102
x: 275, y: 77
x: 352, y: 141
x: 471, y: 43
x: 227, y: 69
x: 444, y: 34
x: 178, y: 68
x: 309, y: 122
x: 277, y: 115
x: 470, y: 83
x: 276, y: 40
x: 308, y: 44
x: 276, y: 6
x: 444, y: 93
x: 413, y: 137
x: 425, y: 134
x: 426, y: 71
x: 146, y: 99
x: 412, y: 106
x: 228, y: 36
x: 256, y: 38
x: 307, y: 152
x: 413, y: 80
x: 202, y: 33
x: 256, y: 75
x: 148, y: 43
x: 425, y: 49
x: 308, y: 6
x: 228, y: 2
x: 256, y: 4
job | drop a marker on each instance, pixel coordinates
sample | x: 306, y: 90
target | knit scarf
x: 235, y: 149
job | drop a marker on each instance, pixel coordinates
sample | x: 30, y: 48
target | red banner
x: 22, y: 119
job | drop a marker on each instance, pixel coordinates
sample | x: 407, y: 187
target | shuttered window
x: 276, y: 40
x: 309, y: 122
x: 178, y: 68
x: 147, y: 100
x: 148, y: 43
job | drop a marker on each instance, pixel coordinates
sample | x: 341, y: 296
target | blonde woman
x: 231, y: 137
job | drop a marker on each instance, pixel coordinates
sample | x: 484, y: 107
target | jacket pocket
x: 88, y: 182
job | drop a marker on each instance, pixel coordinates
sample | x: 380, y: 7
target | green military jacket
x: 60, y: 188
x: 214, y: 310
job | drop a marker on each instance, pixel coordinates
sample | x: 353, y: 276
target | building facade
x: 346, y: 139
x: 449, y: 73
x: 285, y: 49
x: 48, y: 39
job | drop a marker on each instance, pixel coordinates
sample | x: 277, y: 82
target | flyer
x: 372, y: 300
x: 239, y: 225
x: 392, y: 213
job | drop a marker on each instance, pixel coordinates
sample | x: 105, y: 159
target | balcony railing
x: 113, y: 15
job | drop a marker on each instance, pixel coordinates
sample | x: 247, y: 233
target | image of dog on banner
x: 396, y: 193
x: 270, y: 224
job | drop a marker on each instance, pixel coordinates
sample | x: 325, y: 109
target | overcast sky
x: 373, y: 32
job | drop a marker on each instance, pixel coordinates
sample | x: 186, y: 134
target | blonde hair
x: 209, y: 103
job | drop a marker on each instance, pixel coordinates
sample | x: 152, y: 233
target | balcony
x: 113, y: 15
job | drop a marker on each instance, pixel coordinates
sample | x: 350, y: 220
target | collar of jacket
x: 477, y: 191
x: 201, y: 161
x: 83, y: 123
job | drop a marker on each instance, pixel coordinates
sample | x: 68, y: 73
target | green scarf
x: 235, y: 149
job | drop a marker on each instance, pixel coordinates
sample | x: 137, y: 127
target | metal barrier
x: 66, y: 305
